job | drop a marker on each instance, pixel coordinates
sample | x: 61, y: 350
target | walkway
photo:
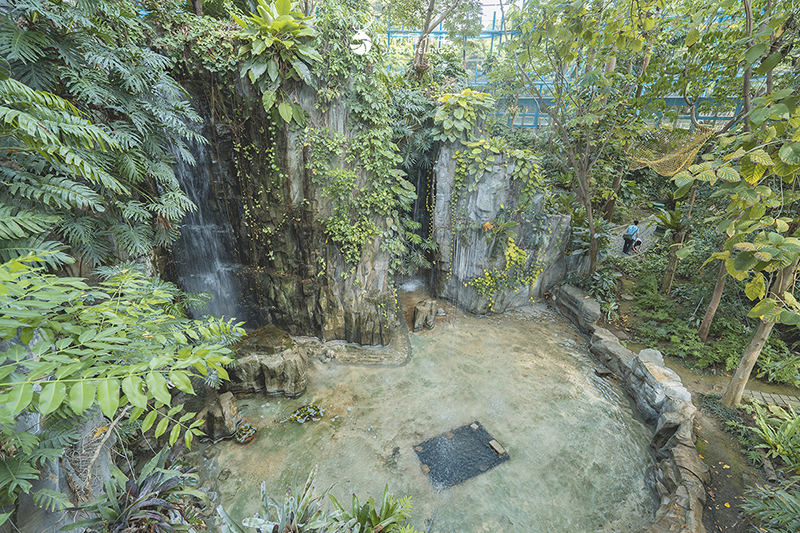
x: 774, y: 399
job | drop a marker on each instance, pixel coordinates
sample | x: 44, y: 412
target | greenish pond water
x: 579, y: 456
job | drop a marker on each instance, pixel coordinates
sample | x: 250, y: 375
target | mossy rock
x: 267, y: 340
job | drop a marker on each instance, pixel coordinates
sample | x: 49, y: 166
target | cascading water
x: 578, y: 455
x: 205, y: 254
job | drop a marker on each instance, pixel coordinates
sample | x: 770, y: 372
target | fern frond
x: 135, y: 211
x: 20, y: 224
x: 88, y: 237
x: 17, y: 43
x: 173, y: 205
x: 51, y: 500
x: 165, y: 235
x: 775, y: 508
x: 15, y: 476
x: 55, y: 191
x: 52, y: 252
x: 134, y: 239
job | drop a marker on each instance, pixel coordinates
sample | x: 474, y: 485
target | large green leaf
x: 52, y: 396
x: 285, y: 110
x: 755, y: 52
x: 108, y: 396
x: 790, y: 153
x: 763, y: 307
x: 283, y: 7
x: 19, y: 398
x: 268, y: 100
x: 756, y: 289
x: 157, y: 387
x: 132, y: 387
x: 769, y: 63
x: 81, y: 395
x: 692, y: 37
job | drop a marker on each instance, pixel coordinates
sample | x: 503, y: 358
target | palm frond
x: 20, y: 224
x: 20, y: 44
x: 135, y: 239
x: 52, y: 252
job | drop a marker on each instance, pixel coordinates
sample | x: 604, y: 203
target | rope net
x: 667, y: 151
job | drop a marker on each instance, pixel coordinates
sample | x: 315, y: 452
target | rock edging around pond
x: 664, y: 403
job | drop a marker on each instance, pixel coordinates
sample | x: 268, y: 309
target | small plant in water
x: 306, y: 413
x: 246, y: 433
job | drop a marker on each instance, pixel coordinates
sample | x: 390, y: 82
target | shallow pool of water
x: 578, y: 456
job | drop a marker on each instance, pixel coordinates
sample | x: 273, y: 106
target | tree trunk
x: 608, y: 209
x: 705, y: 326
x: 733, y: 394
x: 672, y: 266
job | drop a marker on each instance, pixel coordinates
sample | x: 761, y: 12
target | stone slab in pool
x: 460, y: 454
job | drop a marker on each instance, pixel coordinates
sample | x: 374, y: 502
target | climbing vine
x: 359, y: 202
x: 459, y: 113
x: 514, y: 274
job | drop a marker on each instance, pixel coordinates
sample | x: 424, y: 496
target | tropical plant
x: 113, y: 347
x: 459, y: 113
x: 389, y: 517
x: 277, y: 52
x: 499, y: 228
x: 143, y: 504
x: 674, y: 222
x: 103, y: 190
x: 779, y: 433
x: 777, y: 509
x: 300, y: 512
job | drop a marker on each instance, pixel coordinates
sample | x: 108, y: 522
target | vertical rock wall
x: 290, y: 274
x: 465, y: 253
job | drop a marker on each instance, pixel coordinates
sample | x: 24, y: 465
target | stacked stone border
x: 664, y: 403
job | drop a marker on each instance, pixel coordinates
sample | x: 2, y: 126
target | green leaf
x: 174, y: 434
x: 81, y: 396
x: 272, y: 69
x: 790, y: 153
x: 751, y: 172
x: 744, y: 261
x: 19, y: 398
x: 52, y: 396
x: 756, y: 289
x: 761, y: 308
x: 162, y: 427
x: 132, y: 387
x: 761, y: 157
x: 285, y: 110
x: 692, y: 37
x: 181, y: 381
x: 108, y: 396
x: 789, y: 318
x: 728, y: 174
x: 157, y: 387
x: 302, y: 69
x: 755, y: 52
x: 283, y: 6
x: 148, y: 421
x: 769, y: 63
x: 268, y: 100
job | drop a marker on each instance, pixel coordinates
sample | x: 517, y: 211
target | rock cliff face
x: 288, y: 272
x: 459, y: 220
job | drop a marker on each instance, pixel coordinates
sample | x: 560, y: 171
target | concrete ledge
x: 664, y: 403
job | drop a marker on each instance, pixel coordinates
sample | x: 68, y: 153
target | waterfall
x: 205, y: 253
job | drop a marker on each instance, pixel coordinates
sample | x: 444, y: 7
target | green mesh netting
x: 667, y: 151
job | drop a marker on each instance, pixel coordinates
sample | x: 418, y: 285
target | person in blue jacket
x: 630, y: 235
